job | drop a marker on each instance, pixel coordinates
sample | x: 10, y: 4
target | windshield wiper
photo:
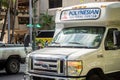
x: 55, y: 42
x: 81, y: 45
x: 75, y: 43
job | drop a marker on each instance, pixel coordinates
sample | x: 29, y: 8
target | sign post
x: 33, y: 33
x: 30, y: 20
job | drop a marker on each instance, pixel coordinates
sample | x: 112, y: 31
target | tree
x: 4, y: 3
x: 10, y: 6
x: 13, y: 11
x: 46, y: 21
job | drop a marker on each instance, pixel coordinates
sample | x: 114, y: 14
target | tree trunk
x: 4, y: 24
x: 0, y: 7
x: 13, y: 21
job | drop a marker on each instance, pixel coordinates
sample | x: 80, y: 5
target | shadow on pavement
x: 5, y: 76
x: 2, y: 74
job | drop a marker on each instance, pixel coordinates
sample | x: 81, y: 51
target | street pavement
x: 19, y: 76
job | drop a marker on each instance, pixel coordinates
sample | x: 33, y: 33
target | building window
x: 23, y: 20
x: 23, y: 6
x: 55, y: 3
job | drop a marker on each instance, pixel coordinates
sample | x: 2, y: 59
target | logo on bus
x: 82, y: 14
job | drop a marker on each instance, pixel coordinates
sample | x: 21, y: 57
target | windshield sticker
x: 82, y: 14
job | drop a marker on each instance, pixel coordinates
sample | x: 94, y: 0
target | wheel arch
x: 94, y: 70
x: 14, y: 57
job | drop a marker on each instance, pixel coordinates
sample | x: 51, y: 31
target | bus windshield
x: 89, y: 37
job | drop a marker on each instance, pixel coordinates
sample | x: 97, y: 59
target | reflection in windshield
x: 80, y: 37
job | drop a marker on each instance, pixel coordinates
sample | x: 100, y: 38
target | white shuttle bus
x: 86, y: 45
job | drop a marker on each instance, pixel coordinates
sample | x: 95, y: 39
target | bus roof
x: 97, y: 12
x: 93, y: 4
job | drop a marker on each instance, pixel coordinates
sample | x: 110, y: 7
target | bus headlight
x: 74, y: 68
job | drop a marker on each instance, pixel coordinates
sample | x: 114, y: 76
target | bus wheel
x: 96, y: 75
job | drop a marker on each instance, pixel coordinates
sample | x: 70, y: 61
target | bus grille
x: 48, y: 66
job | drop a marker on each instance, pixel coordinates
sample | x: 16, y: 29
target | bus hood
x: 59, y: 52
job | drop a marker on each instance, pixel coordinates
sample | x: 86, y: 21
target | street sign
x: 35, y: 26
x: 29, y: 25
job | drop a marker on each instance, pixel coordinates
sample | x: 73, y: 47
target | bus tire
x: 96, y: 74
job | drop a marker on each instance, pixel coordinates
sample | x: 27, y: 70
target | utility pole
x: 30, y: 20
x: 34, y: 23
x: 8, y: 17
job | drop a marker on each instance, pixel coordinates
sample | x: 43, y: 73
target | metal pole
x: 34, y: 23
x: 30, y: 20
x: 9, y: 25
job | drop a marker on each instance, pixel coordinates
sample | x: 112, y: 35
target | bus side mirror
x: 116, y: 38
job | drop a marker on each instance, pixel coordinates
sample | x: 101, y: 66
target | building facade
x: 21, y: 20
x: 52, y: 5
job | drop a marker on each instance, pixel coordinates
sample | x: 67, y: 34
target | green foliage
x: 4, y: 3
x: 46, y: 21
x: 40, y: 41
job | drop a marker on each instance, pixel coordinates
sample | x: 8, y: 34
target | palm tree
x: 13, y: 10
x: 10, y: 6
x: 4, y: 3
x: 46, y: 21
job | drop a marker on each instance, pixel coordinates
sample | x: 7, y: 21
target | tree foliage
x: 9, y: 5
x: 46, y: 21
x: 3, y: 3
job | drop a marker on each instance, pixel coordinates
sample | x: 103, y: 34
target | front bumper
x: 46, y: 77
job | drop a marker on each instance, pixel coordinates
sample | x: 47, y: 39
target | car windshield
x: 88, y: 37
